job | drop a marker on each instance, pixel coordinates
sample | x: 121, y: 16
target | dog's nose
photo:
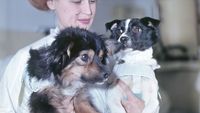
x: 106, y: 75
x: 123, y: 39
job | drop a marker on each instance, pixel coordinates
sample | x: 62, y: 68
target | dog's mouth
x: 126, y: 45
x: 125, y: 42
x: 102, y: 82
x: 95, y: 80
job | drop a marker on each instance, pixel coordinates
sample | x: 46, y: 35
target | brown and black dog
x: 72, y: 64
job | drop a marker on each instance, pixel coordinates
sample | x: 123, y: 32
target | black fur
x: 39, y: 63
x: 83, y: 39
x: 39, y: 103
x: 53, y: 58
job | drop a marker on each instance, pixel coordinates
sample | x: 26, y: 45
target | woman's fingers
x: 126, y: 90
x: 132, y: 107
x: 130, y: 102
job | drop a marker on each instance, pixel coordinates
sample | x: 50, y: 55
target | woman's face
x: 75, y: 13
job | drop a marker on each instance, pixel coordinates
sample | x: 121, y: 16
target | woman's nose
x: 86, y: 8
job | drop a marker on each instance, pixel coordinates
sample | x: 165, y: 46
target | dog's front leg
x: 83, y: 103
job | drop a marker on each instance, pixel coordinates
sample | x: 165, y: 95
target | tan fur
x: 77, y: 68
x: 56, y: 98
x: 81, y: 103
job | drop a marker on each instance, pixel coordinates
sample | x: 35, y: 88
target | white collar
x: 131, y: 55
x: 54, y: 31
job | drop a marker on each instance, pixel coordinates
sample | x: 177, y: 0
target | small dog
x: 72, y: 64
x: 131, y: 42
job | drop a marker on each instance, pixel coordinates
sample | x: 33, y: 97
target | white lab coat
x: 12, y: 81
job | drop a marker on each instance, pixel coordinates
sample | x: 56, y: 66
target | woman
x: 15, y: 88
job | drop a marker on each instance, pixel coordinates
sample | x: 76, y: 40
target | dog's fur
x: 72, y: 63
x: 130, y: 43
x: 138, y: 34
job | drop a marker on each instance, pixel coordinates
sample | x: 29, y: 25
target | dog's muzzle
x: 106, y: 75
x: 123, y: 39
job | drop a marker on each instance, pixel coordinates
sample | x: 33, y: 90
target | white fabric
x: 3, y: 64
x: 136, y: 63
x: 11, y: 83
x: 138, y: 73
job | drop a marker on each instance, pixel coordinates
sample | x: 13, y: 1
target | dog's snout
x: 105, y: 75
x: 106, y: 71
x: 123, y: 39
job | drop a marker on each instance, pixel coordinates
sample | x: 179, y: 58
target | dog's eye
x: 101, y: 58
x: 119, y: 30
x: 85, y: 57
x: 136, y: 29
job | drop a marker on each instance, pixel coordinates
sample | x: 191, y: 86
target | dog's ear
x: 38, y: 63
x: 148, y: 21
x: 113, y: 24
x: 61, y: 59
x: 113, y: 46
x: 33, y: 63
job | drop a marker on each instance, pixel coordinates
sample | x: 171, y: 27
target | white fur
x: 126, y: 29
x: 73, y: 88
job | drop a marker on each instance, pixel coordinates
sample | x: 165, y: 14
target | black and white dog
x: 131, y: 42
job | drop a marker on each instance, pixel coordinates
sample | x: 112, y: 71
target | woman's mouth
x: 84, y: 21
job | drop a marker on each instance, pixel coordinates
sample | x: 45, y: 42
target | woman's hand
x: 131, y: 103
